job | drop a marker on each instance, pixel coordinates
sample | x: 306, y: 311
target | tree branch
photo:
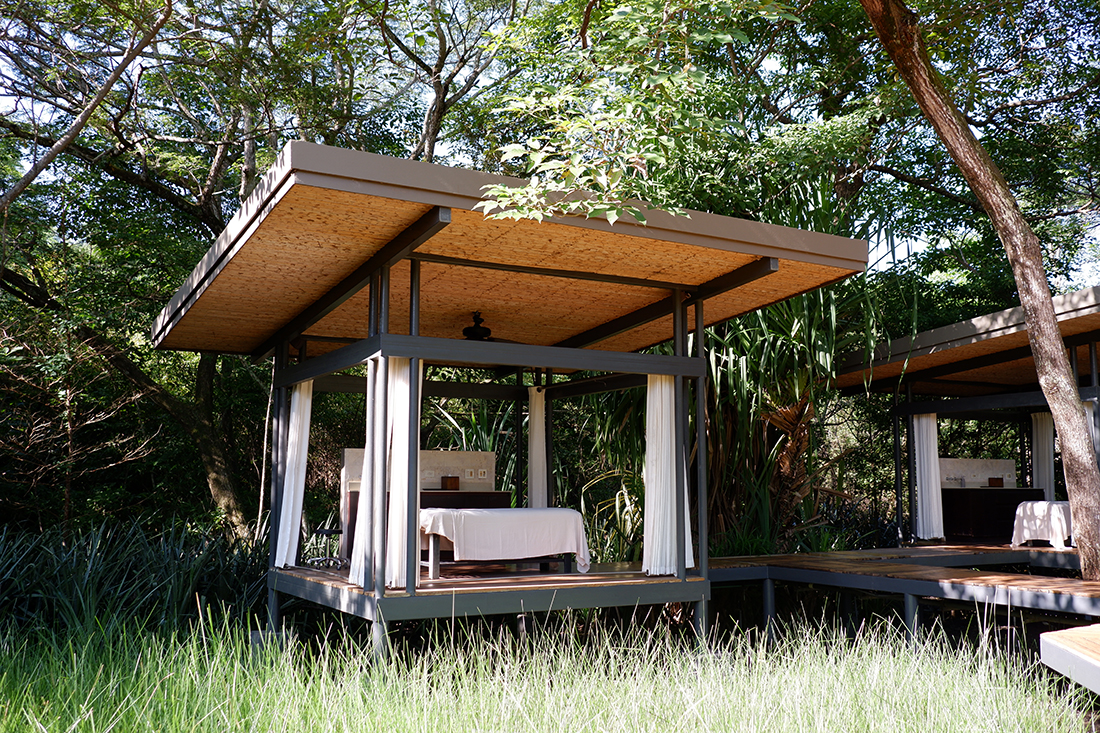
x: 78, y: 124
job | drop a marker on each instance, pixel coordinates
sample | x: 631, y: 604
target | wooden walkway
x: 1074, y: 653
x: 939, y: 571
x: 481, y: 591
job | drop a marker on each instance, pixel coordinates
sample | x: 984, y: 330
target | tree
x: 899, y: 30
x: 166, y: 156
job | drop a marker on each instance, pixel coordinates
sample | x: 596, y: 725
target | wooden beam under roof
x: 723, y: 283
x: 392, y: 252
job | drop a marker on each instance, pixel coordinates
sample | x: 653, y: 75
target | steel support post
x: 911, y: 463
x: 378, y: 474
x: 1094, y: 380
x: 898, y: 511
x: 366, y: 479
x: 280, y: 426
x: 770, y: 622
x: 412, y: 528
x: 679, y: 338
x: 912, y: 617
x: 702, y: 454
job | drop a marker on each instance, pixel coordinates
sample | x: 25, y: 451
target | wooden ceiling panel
x: 321, y: 213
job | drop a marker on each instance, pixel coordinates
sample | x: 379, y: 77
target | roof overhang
x: 985, y: 355
x: 293, y: 261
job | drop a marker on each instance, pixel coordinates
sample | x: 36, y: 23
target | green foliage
x: 127, y: 576
x: 614, y: 525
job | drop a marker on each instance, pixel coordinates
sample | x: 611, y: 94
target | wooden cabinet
x: 983, y: 513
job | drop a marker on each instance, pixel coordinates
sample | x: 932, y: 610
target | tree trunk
x: 899, y: 30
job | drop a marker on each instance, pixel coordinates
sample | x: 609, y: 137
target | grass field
x: 810, y: 680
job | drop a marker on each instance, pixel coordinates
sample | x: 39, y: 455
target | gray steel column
x: 912, y: 617
x: 911, y: 462
x: 898, y: 511
x: 769, y: 609
x: 381, y: 427
x: 372, y: 307
x: 366, y: 480
x: 280, y: 426
x: 679, y: 338
x: 701, y: 454
x: 384, y: 300
x: 412, y: 538
x: 1094, y: 374
x: 412, y: 527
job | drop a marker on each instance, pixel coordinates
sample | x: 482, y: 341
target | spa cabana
x: 343, y: 260
x: 979, y: 369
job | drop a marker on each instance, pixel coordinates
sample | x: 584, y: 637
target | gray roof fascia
x: 982, y: 328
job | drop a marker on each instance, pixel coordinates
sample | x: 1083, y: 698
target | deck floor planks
x: 1075, y: 653
x: 606, y: 575
x: 877, y: 563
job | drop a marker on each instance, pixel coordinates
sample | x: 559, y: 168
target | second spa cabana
x: 343, y: 260
x: 981, y: 369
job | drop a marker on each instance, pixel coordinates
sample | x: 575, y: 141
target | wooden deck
x: 477, y: 591
x: 939, y: 571
x: 1074, y: 653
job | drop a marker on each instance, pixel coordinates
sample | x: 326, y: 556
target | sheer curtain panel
x: 294, y: 481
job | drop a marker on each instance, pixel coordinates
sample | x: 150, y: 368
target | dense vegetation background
x: 790, y: 115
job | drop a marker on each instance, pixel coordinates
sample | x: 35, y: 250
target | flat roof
x: 985, y: 355
x: 320, y: 213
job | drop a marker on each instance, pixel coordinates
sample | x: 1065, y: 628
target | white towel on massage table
x: 1042, y: 520
x: 509, y: 534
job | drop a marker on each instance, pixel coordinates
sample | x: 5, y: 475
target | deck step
x: 1074, y: 653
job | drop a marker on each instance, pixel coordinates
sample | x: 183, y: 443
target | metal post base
x: 912, y: 617
x: 769, y: 609
x: 701, y: 622
x: 380, y: 647
x: 274, y: 613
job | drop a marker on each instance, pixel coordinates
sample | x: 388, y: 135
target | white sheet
x: 1042, y: 520
x: 510, y: 534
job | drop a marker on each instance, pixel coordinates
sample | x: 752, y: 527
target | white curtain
x: 1042, y: 453
x: 659, y: 477
x: 1090, y: 415
x: 294, y: 480
x: 927, y: 451
x: 363, y: 544
x: 398, y: 470
x: 536, y: 448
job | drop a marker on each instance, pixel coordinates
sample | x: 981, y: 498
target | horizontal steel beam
x: 476, y: 604
x: 985, y: 402
x: 595, y: 385
x: 471, y: 390
x: 392, y: 252
x: 723, y: 283
x: 455, y: 351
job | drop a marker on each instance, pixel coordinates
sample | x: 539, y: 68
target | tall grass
x: 811, y: 681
